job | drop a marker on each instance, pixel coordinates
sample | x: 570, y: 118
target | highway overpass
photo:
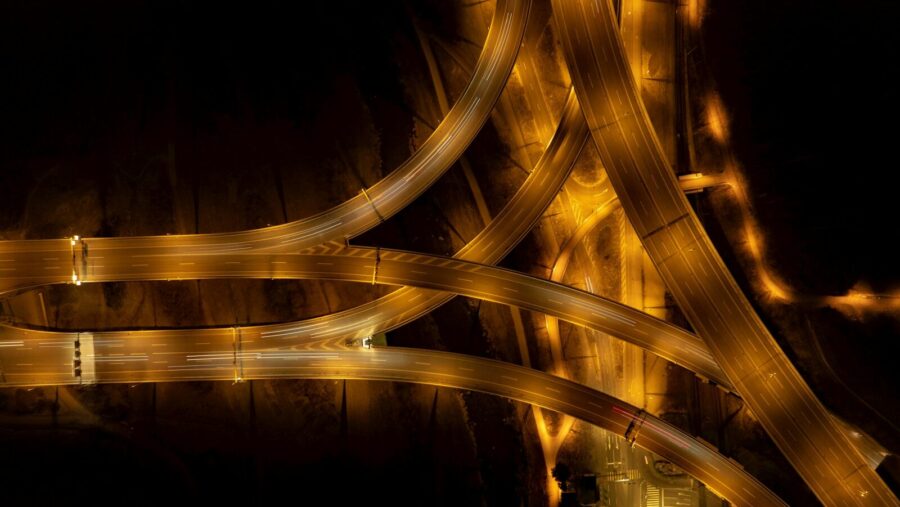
x: 692, y: 269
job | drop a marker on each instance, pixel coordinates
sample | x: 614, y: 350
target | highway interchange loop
x: 733, y: 348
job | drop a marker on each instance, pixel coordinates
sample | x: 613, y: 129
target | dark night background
x: 811, y: 90
x: 810, y: 87
x: 75, y: 76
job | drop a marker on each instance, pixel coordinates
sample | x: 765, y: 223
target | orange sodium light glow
x: 716, y: 119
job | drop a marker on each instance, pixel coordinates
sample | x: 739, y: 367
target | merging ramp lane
x: 392, y: 267
x: 404, y: 305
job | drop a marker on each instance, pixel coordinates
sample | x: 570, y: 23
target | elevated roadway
x: 446, y: 369
x: 513, y: 222
x: 453, y: 276
x: 355, y: 264
x: 692, y: 269
x: 356, y: 215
